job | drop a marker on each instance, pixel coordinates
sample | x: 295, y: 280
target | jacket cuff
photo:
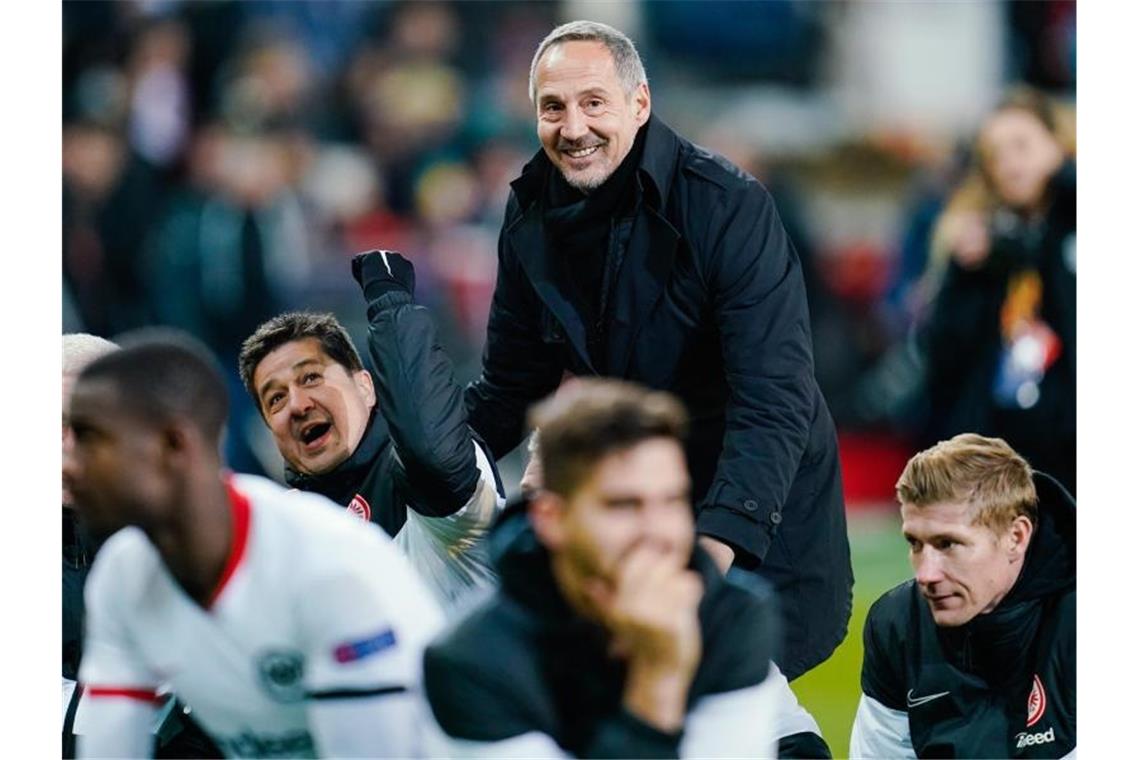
x: 388, y: 299
x: 746, y: 533
x: 626, y: 735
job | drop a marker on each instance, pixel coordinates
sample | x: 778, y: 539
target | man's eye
x: 551, y: 107
x: 309, y: 378
x: 945, y: 543
x: 274, y: 401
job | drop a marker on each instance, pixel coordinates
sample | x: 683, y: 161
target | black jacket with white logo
x: 523, y: 675
x: 1003, y: 685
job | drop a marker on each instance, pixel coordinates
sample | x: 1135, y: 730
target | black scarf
x: 578, y: 229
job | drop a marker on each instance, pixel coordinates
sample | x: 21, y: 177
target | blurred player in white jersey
x: 290, y: 629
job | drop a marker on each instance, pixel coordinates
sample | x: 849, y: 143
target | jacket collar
x: 344, y: 480
x: 655, y: 170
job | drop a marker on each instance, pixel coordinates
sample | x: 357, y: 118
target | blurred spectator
x: 160, y: 93
x: 109, y: 194
x: 232, y: 249
x: 1001, y: 340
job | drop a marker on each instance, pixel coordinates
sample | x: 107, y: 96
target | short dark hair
x: 291, y: 326
x: 583, y: 423
x: 160, y: 374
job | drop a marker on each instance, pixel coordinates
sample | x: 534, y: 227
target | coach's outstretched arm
x: 417, y: 394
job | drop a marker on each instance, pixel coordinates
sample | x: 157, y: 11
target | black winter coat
x: 708, y: 303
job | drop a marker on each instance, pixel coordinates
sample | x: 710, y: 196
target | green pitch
x: 831, y: 691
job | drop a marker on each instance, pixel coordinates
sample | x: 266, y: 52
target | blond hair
x: 983, y: 472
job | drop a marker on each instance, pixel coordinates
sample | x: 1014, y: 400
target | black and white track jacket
x: 1003, y: 685
x: 523, y: 675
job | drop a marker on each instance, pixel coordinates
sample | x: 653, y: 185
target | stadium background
x: 223, y: 160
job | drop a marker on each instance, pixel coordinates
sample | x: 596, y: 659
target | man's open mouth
x: 313, y: 433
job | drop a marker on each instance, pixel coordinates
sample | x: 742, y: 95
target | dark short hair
x: 162, y: 374
x: 291, y: 326
x: 583, y: 423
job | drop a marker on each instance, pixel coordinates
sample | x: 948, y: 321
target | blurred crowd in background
x: 222, y: 161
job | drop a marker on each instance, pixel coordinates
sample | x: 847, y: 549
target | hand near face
x: 969, y: 239
x: 650, y: 611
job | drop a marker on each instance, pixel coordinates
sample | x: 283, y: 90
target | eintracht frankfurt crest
x: 1036, y: 702
x: 359, y: 507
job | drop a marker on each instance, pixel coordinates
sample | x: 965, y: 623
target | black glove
x: 380, y: 272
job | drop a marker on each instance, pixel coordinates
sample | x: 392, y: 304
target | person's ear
x: 547, y: 513
x: 642, y: 104
x: 175, y: 441
x: 1018, y: 536
x: 363, y: 380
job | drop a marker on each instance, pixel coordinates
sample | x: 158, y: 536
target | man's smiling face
x: 586, y: 121
x: 316, y: 408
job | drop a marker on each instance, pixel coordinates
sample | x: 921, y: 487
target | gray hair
x: 80, y: 349
x: 626, y: 60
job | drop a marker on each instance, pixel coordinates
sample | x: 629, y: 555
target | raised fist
x: 380, y: 272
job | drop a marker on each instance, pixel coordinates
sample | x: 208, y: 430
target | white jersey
x: 311, y: 645
x: 450, y: 553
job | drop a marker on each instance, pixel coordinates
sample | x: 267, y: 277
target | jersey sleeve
x: 118, y: 708
x: 882, y: 675
x: 362, y: 666
x: 450, y: 552
x: 740, y: 723
x: 880, y: 731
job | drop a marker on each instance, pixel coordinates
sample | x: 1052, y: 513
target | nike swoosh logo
x: 911, y: 701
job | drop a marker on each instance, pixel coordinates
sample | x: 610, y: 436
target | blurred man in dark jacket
x: 614, y: 636
x: 629, y: 252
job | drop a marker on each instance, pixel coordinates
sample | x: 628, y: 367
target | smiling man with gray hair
x: 627, y: 251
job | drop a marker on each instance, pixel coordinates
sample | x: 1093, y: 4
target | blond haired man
x: 976, y: 656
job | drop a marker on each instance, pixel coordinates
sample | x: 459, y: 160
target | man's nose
x: 928, y: 566
x: 574, y: 125
x: 71, y: 464
x: 299, y: 402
